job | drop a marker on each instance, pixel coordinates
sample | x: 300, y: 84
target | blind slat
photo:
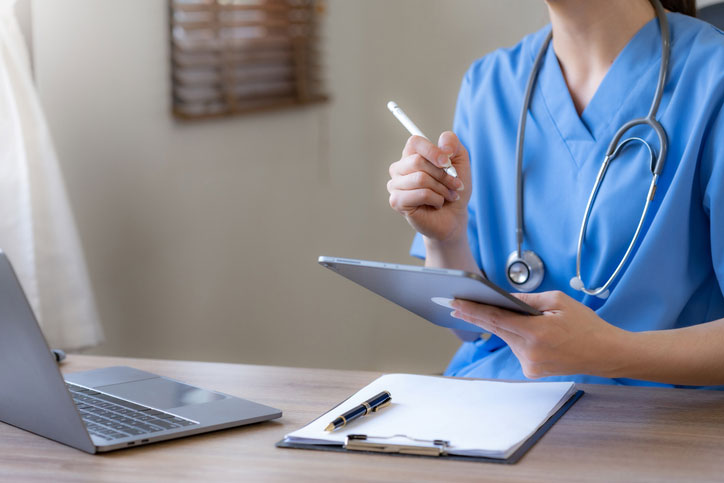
x: 234, y: 56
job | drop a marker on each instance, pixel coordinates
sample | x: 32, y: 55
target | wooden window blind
x: 234, y: 56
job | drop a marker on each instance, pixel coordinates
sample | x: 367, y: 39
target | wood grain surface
x: 611, y: 434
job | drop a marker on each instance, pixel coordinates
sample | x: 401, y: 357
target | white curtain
x: 37, y: 230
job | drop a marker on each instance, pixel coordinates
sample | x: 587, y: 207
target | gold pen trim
x: 368, y: 408
x: 382, y: 406
x: 332, y: 427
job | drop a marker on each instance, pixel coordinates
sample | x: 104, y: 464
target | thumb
x: 450, y: 144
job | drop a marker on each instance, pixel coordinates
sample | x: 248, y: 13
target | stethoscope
x: 524, y: 268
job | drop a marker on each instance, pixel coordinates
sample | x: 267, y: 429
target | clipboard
x: 359, y: 443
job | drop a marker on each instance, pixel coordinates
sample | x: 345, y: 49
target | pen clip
x: 362, y: 442
x: 382, y: 406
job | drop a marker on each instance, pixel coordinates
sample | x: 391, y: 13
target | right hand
x: 433, y: 202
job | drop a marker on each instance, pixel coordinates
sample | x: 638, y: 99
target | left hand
x: 569, y: 338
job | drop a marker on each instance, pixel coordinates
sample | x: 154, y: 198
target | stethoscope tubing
x: 599, y: 180
x: 614, y: 148
x: 520, y: 140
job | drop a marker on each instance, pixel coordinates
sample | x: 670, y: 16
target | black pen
x: 373, y: 404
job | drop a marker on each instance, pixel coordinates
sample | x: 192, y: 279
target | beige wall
x: 202, y: 238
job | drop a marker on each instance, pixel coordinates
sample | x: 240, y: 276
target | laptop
x: 104, y: 409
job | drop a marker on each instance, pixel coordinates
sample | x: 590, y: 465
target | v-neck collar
x: 641, y: 53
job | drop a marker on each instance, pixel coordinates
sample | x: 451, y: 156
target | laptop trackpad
x: 161, y: 393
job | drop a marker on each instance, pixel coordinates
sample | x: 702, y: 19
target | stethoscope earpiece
x: 577, y: 284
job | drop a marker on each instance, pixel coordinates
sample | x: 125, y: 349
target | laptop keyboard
x: 110, y: 418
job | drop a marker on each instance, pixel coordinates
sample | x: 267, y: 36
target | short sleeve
x: 418, y: 247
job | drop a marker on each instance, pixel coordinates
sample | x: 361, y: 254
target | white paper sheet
x: 478, y: 418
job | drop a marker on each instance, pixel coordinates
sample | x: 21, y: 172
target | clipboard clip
x: 377, y: 444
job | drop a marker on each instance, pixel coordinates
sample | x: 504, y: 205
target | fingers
x: 421, y: 180
x: 418, y: 180
x: 486, y: 316
x: 409, y: 201
x: 416, y: 163
x: 544, y: 301
x: 511, y: 338
x: 425, y: 148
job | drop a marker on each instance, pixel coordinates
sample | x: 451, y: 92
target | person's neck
x: 588, y: 35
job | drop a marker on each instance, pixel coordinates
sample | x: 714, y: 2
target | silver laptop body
x: 76, y: 411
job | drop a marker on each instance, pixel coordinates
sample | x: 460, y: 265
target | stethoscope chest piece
x: 524, y: 270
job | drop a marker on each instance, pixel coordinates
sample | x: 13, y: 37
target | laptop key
x: 130, y: 422
x: 98, y: 411
x: 130, y: 405
x: 182, y: 422
x: 101, y: 436
x: 147, y: 428
x: 126, y: 412
x: 107, y: 422
x: 122, y: 404
x: 137, y: 415
x: 165, y: 424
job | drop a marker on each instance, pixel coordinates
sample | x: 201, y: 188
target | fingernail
x: 459, y: 185
x: 449, y: 150
x: 455, y: 314
x: 454, y: 195
x: 444, y: 161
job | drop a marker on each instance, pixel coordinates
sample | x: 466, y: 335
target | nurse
x: 657, y: 317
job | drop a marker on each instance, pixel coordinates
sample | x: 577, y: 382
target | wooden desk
x: 611, y: 434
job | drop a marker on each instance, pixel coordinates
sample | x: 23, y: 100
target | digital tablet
x: 427, y: 292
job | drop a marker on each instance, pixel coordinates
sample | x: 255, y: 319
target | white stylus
x: 415, y: 131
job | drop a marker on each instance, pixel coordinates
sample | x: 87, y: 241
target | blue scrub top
x: 675, y: 275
